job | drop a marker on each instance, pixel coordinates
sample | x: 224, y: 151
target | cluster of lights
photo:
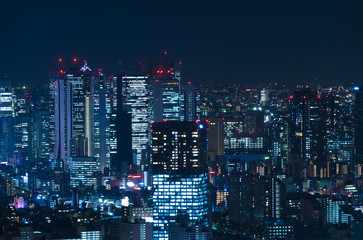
x: 61, y: 60
x: 160, y: 71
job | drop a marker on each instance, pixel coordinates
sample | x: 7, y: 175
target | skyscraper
x: 190, y: 103
x: 308, y: 130
x: 166, y: 92
x: 6, y: 98
x: 6, y: 120
x: 179, y: 175
x: 101, y: 113
x: 68, y: 90
x: 135, y: 101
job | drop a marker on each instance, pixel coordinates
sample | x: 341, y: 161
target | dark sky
x: 237, y: 41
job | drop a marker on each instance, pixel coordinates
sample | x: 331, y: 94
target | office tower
x: 6, y: 98
x: 68, y: 91
x: 22, y: 101
x: 42, y: 130
x: 82, y: 171
x: 101, y: 92
x: 113, y: 125
x: 179, y: 175
x: 308, y: 131
x: 7, y: 141
x: 165, y: 92
x: 246, y: 143
x: 333, y: 212
x: 232, y: 126
x: 6, y: 121
x: 215, y: 138
x: 23, y: 136
x: 120, y: 130
x: 135, y: 101
x: 190, y: 103
x: 255, y: 198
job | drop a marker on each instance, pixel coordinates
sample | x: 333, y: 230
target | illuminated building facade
x: 135, y: 101
x: 6, y: 98
x: 179, y: 175
x: 68, y: 90
x: 166, y: 92
x: 82, y: 171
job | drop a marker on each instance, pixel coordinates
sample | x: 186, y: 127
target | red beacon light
x: 291, y: 97
x: 60, y: 60
x: 74, y: 59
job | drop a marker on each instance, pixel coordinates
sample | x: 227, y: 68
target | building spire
x: 85, y: 67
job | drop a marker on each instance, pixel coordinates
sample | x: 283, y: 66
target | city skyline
x: 181, y: 120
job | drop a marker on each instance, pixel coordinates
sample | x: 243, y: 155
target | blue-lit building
x: 179, y: 175
x: 6, y: 98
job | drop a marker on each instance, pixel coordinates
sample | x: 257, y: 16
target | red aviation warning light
x: 74, y: 59
x: 60, y: 60
x: 291, y: 97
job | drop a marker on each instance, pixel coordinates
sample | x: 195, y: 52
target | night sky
x: 236, y: 41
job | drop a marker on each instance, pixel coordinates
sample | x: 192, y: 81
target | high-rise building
x: 179, y: 175
x: 190, y: 103
x: 68, y: 90
x: 101, y: 113
x: 42, y: 134
x: 7, y: 142
x: 166, y: 92
x: 308, y: 131
x: 22, y: 101
x: 135, y: 101
x: 6, y: 98
x: 255, y: 198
